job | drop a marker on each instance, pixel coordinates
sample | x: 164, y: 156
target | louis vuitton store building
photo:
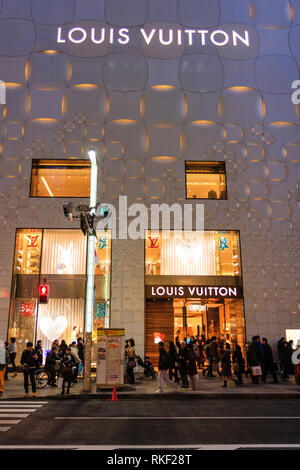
x: 185, y: 101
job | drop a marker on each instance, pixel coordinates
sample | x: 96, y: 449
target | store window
x: 60, y: 178
x: 193, y: 253
x: 205, y: 180
x: 59, y: 256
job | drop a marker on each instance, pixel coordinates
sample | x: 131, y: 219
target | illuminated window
x: 59, y: 255
x: 205, y: 180
x: 192, y: 253
x: 60, y: 178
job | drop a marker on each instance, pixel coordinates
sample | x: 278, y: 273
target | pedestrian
x: 183, y: 364
x: 268, y: 362
x: 68, y: 365
x: 4, y: 361
x: 192, y: 366
x: 52, y: 366
x: 131, y: 363
x: 291, y: 351
x: 279, y: 350
x: 62, y: 348
x: 6, y: 344
x: 12, y: 349
x: 80, y: 348
x: 74, y: 352
x: 253, y: 357
x: 226, y: 373
x: 174, y: 362
x: 39, y: 352
x: 212, y: 357
x: 285, y: 360
x: 163, y: 367
x: 29, y: 362
x: 55, y: 344
x: 238, y: 364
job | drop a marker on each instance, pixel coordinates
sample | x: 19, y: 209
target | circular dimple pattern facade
x: 148, y: 109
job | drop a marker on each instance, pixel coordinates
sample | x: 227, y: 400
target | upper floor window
x: 205, y: 180
x: 60, y: 178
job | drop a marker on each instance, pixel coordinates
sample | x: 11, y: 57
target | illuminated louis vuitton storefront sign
x: 154, y: 35
x: 204, y: 292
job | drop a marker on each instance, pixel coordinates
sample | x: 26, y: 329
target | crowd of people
x: 61, y: 361
x: 185, y: 360
x: 179, y: 366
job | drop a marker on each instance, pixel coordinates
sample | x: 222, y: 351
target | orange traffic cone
x: 114, y: 396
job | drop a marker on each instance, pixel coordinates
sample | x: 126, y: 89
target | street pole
x: 90, y: 284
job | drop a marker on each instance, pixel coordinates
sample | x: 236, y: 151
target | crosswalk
x: 12, y: 412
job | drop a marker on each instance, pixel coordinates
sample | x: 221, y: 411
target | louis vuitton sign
x: 96, y: 38
x: 195, y: 292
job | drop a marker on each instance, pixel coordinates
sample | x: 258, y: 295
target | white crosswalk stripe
x: 10, y: 410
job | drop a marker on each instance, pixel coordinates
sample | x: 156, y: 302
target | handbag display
x: 256, y: 371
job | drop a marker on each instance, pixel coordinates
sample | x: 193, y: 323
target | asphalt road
x: 151, y: 422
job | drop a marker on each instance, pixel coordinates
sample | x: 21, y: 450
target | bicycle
x: 41, y: 378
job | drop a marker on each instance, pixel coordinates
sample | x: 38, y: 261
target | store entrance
x: 167, y: 319
x: 223, y: 318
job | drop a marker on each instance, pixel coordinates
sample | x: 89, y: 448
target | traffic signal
x: 44, y: 293
x: 68, y: 210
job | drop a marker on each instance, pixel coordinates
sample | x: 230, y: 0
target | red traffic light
x: 44, y: 292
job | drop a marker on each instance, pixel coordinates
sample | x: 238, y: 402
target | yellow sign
x: 110, y: 332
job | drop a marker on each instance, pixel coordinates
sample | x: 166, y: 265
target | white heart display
x: 53, y: 328
x: 189, y: 253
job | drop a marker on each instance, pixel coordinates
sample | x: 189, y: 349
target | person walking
x: 80, y: 348
x: 163, y: 367
x: 52, y: 366
x: 74, y: 351
x: 192, y: 366
x: 7, y: 357
x: 285, y: 361
x: 4, y: 361
x: 253, y: 358
x: 12, y: 349
x: 226, y: 373
x: 268, y: 362
x: 68, y: 364
x: 39, y: 352
x: 174, y: 362
x: 62, y: 348
x: 212, y: 356
x: 131, y: 363
x: 183, y: 364
x: 29, y: 360
x: 238, y: 364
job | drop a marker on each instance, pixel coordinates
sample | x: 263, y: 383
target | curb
x: 163, y: 396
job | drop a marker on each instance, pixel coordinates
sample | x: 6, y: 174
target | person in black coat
x: 191, y: 366
x: 163, y: 367
x: 268, y: 362
x: 238, y: 363
x: 29, y: 363
x: 253, y: 358
x: 52, y: 361
x: 285, y: 360
x: 183, y: 365
x: 68, y: 366
x: 173, y: 362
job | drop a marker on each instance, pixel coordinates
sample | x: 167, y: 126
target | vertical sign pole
x: 89, y: 298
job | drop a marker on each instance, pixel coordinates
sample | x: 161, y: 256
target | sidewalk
x: 146, y: 388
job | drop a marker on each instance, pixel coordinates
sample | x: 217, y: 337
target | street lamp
x: 89, y: 298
